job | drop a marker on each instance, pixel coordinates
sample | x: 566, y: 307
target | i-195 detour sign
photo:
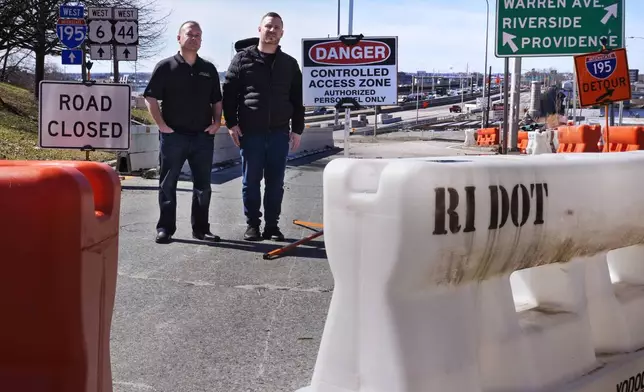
x: 603, y: 77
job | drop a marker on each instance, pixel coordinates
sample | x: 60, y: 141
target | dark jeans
x: 174, y: 149
x: 263, y: 156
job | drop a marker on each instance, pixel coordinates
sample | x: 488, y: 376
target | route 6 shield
x: 601, y: 66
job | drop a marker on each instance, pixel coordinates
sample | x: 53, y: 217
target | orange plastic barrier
x: 582, y: 138
x: 522, y: 141
x: 487, y: 137
x: 626, y: 138
x: 59, y: 255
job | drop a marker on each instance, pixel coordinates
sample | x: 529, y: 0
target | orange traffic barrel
x: 59, y: 244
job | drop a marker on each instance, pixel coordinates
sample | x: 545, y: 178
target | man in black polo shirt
x: 188, y: 119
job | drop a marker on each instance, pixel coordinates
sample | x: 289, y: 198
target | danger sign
x: 79, y: 116
x: 365, y: 71
x: 603, y: 77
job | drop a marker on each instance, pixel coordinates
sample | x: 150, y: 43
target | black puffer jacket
x: 259, y: 97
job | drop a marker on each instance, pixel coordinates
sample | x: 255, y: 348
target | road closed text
x: 87, y: 116
x: 78, y: 129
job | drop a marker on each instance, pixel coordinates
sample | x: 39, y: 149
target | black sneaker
x: 273, y: 233
x: 252, y: 233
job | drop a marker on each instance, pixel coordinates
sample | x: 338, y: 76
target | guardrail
x: 407, y: 106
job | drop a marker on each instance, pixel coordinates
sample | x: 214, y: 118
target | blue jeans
x: 174, y: 149
x: 263, y: 156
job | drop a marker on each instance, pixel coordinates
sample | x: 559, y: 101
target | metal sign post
x: 347, y: 111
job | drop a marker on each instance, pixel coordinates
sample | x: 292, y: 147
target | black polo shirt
x: 187, y: 92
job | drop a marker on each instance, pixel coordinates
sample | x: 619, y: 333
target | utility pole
x: 337, y: 113
x: 516, y: 103
x: 347, y: 111
x: 504, y: 139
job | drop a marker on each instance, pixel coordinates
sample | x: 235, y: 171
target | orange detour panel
x: 603, y: 77
x: 59, y: 244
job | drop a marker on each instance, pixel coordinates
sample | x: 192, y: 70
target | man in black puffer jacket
x: 262, y: 105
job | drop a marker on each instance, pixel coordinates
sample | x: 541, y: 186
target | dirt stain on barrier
x: 489, y: 262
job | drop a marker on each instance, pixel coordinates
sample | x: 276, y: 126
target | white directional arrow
x: 611, y: 10
x: 72, y: 57
x: 508, y: 40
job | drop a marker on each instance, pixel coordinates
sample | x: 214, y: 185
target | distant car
x: 319, y: 111
x: 455, y: 109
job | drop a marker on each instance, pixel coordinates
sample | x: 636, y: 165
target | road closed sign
x: 365, y: 71
x: 603, y: 77
x: 78, y: 116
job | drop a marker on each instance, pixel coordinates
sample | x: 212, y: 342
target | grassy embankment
x: 19, y: 131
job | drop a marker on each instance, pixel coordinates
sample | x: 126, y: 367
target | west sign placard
x: 365, y: 71
x: 603, y: 77
x: 78, y: 116
x: 541, y: 28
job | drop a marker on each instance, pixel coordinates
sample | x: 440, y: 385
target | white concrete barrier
x: 313, y: 139
x: 470, y: 138
x: 484, y: 273
x: 542, y: 143
x: 144, y: 149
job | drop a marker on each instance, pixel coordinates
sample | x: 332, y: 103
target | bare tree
x: 37, y: 33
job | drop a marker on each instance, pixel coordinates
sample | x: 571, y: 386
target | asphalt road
x: 197, y: 317
x: 193, y: 317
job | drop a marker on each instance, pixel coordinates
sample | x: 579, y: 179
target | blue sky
x: 432, y: 34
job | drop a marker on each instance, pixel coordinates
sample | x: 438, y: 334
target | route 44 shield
x: 601, y: 66
x: 71, y: 32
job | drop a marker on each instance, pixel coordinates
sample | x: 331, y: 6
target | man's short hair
x: 189, y: 22
x: 273, y: 15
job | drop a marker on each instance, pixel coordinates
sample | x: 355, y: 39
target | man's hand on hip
x: 213, y: 128
x: 295, y: 141
x: 235, y: 133
x: 165, y: 129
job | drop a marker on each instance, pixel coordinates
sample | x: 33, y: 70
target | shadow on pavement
x: 262, y: 247
x: 149, y: 188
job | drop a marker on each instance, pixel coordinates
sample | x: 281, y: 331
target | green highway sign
x: 542, y: 28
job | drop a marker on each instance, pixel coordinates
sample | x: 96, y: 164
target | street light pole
x: 487, y: 27
x: 347, y: 111
x: 337, y: 113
